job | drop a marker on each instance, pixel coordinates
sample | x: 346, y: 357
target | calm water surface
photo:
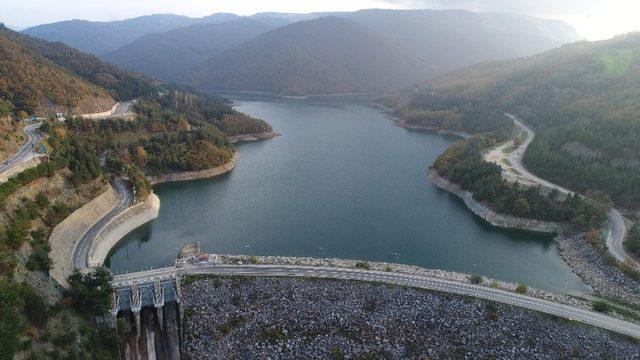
x: 342, y: 181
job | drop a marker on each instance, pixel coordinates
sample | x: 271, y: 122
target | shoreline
x: 435, y: 129
x: 490, y: 216
x: 253, y: 137
x: 149, y: 209
x: 195, y: 175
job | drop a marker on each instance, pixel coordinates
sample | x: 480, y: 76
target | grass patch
x: 232, y: 323
x: 475, y: 279
x: 272, y: 335
x: 601, y: 306
x: 363, y: 265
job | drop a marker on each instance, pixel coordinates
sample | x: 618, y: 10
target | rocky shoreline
x: 253, y: 137
x: 194, y: 175
x: 436, y: 129
x: 492, y: 217
x: 285, y: 318
x: 592, y: 268
x: 606, y: 279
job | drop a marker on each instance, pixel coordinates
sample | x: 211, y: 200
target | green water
x: 343, y: 182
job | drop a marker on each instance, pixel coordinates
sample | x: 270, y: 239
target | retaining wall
x: 66, y: 234
x: 120, y: 226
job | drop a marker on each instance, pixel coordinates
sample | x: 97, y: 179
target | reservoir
x: 341, y: 181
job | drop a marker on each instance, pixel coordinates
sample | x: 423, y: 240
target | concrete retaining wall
x: 120, y: 226
x: 193, y: 175
x: 19, y: 168
x: 492, y: 217
x: 65, y: 235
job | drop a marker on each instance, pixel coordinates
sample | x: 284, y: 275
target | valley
x: 395, y: 181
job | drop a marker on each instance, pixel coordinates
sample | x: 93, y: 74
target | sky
x: 593, y: 19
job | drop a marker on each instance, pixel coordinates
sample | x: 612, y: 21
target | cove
x: 341, y: 181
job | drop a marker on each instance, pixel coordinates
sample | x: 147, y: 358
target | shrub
x: 363, y: 265
x: 475, y: 279
x: 522, y: 289
x: 601, y: 306
x: 336, y: 354
x: 253, y: 260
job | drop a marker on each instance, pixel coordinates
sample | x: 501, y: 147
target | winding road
x: 616, y: 233
x: 416, y: 281
x: 81, y: 250
x: 25, y: 153
x: 120, y: 109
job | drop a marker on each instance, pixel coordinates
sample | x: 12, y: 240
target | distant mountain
x: 103, y: 37
x: 374, y: 50
x: 166, y: 55
x: 324, y: 55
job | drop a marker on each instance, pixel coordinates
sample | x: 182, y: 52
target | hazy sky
x: 594, y: 19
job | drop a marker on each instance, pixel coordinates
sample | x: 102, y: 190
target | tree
x: 522, y: 289
x: 92, y: 292
x: 41, y: 199
x: 21, y: 114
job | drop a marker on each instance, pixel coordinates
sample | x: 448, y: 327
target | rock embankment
x: 399, y: 268
x: 66, y: 235
x: 193, y: 175
x: 285, y: 318
x: 436, y: 129
x: 594, y: 269
x: 253, y: 137
x: 492, y: 217
x: 121, y: 225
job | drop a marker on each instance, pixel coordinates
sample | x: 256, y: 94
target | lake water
x: 341, y: 181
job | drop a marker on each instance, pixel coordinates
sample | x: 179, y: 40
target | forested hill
x: 325, y: 55
x: 582, y: 99
x: 33, y: 83
x: 122, y: 84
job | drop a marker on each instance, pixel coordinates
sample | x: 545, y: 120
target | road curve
x: 25, y: 152
x: 616, y: 233
x: 417, y: 281
x: 120, y: 109
x: 81, y: 250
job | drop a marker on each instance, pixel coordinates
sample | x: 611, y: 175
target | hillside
x: 582, y: 99
x: 325, y: 55
x: 33, y: 83
x: 102, y: 37
x: 188, y: 46
x: 122, y: 84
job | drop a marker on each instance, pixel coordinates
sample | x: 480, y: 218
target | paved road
x: 516, y: 158
x: 423, y: 282
x: 81, y: 250
x: 25, y: 152
x: 119, y: 110
x: 617, y: 231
